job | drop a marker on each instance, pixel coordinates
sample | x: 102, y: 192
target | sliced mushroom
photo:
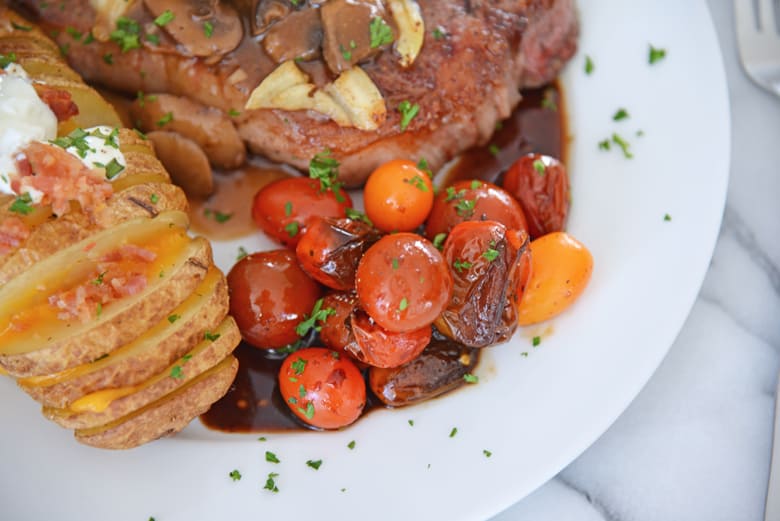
x: 267, y: 12
x: 208, y: 127
x: 185, y: 162
x: 297, y: 36
x: 411, y: 29
x: 346, y: 29
x: 351, y: 101
x: 202, y: 27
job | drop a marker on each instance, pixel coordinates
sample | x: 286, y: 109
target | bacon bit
x: 13, y: 232
x: 119, y: 274
x: 59, y: 101
x: 61, y: 178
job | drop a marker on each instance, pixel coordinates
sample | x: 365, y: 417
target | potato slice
x: 185, y: 161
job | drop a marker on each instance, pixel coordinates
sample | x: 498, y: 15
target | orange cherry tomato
x: 284, y: 208
x: 322, y: 387
x: 398, y: 196
x: 403, y: 282
x: 560, y: 270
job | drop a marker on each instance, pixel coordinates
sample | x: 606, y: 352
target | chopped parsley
x: 241, y: 253
x: 177, y: 372
x: 208, y: 29
x: 403, y: 304
x: 315, y: 464
x: 470, y: 378
x: 438, y: 240
x: 233, y: 113
x: 410, y: 422
x: 453, y: 432
x: 380, y: 32
x: 324, y: 168
x: 211, y: 337
x: 461, y: 265
x: 288, y: 208
x: 408, y: 112
x: 99, y: 279
x: 292, y: 228
x: 465, y: 207
x: 298, y: 366
x: 271, y: 457
x: 394, y: 263
x: 548, y: 101
x: 667, y: 217
x: 357, y: 215
x: 655, y: 55
x: 490, y: 254
x: 418, y: 182
x: 218, y: 216
x: 165, y: 18
x: 623, y: 144
x: 108, y: 58
x: 422, y: 164
x: 113, y: 169
x: 535, y: 341
x: 487, y: 453
x: 493, y: 149
x: 604, y: 145
x: 317, y: 315
x: 589, y: 65
x: 7, y: 59
x: 153, y: 39
x: 539, y: 166
x: 235, y: 475
x: 167, y: 118
x: 351, y: 445
x: 143, y: 98
x: 620, y: 114
x: 347, y: 55
x: 25, y: 28
x: 126, y: 34
x: 74, y: 33
x: 154, y: 198
x: 452, y: 194
x: 308, y: 412
x: 438, y: 33
x: 270, y: 484
x: 22, y: 204
x: 173, y: 318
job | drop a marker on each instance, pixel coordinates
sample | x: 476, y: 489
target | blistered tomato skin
x: 378, y: 347
x: 269, y: 296
x: 561, y: 268
x: 322, y: 387
x: 402, y: 282
x: 473, y: 201
x: 335, y: 332
x: 284, y: 208
x: 330, y: 249
x: 541, y: 184
x: 398, y: 196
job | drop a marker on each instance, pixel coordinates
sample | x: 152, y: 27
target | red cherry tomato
x: 335, y: 332
x: 284, y: 208
x: 541, y: 184
x: 330, y: 249
x: 379, y: 347
x: 269, y: 296
x: 403, y: 282
x: 473, y: 201
x: 322, y: 387
x: 398, y: 196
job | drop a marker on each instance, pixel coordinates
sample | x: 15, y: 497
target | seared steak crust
x: 476, y: 57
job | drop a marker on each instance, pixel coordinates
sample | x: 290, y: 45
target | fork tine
x: 766, y: 16
x: 744, y: 23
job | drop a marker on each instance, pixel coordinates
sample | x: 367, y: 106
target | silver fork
x: 759, y: 42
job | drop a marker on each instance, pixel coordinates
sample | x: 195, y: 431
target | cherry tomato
x: 269, y: 296
x: 403, y: 282
x: 335, y: 332
x: 541, y: 184
x: 489, y: 265
x: 473, y: 201
x: 330, y: 249
x: 379, y: 347
x: 398, y: 196
x: 560, y: 270
x: 322, y: 388
x: 284, y: 208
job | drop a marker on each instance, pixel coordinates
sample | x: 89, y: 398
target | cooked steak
x: 476, y: 57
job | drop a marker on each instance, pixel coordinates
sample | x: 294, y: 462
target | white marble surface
x: 695, y: 444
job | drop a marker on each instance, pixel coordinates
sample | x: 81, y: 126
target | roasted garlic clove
x: 411, y: 29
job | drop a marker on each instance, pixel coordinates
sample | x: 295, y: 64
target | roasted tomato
x: 398, y: 196
x: 473, y: 201
x: 374, y: 345
x: 284, y: 208
x: 490, y: 266
x: 560, y: 270
x: 441, y: 367
x: 541, y: 184
x: 322, y: 388
x: 335, y: 331
x: 403, y: 282
x: 330, y: 249
x: 269, y: 296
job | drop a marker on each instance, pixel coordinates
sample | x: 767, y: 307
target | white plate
x: 536, y: 413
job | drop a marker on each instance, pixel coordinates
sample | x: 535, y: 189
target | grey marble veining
x: 695, y: 444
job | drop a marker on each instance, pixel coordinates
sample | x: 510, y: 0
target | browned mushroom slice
x: 202, y: 27
x: 267, y: 12
x: 297, y: 36
x: 347, y: 27
x: 185, y: 162
x: 440, y: 368
x: 210, y: 128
